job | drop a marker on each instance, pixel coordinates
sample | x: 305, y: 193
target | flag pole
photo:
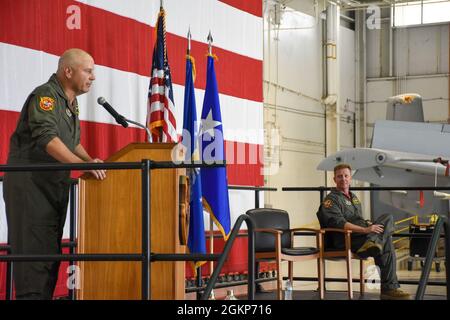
x: 211, y: 223
x: 188, y: 52
x: 161, y: 7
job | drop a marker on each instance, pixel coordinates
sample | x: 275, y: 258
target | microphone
x: 119, y: 118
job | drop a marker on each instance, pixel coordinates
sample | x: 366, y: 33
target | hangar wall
x: 398, y: 60
x: 419, y: 63
x: 293, y: 91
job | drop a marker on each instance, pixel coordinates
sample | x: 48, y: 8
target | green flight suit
x: 336, y: 210
x: 36, y: 202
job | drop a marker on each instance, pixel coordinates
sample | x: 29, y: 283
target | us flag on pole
x: 161, y: 108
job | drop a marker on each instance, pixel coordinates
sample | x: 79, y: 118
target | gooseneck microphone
x: 119, y: 118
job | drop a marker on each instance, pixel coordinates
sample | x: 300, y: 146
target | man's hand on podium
x: 98, y: 174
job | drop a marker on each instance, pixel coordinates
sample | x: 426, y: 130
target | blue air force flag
x: 196, y: 238
x: 214, y: 180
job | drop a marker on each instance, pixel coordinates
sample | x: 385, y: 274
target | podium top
x: 139, y: 145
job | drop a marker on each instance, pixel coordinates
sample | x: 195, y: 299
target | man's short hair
x: 342, y: 166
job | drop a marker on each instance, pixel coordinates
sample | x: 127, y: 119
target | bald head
x: 75, y: 72
x: 72, y: 58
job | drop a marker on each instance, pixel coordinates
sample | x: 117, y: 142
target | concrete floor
x: 337, y: 290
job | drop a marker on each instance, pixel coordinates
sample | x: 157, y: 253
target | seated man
x: 342, y: 209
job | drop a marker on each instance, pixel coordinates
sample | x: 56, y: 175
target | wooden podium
x: 110, y: 222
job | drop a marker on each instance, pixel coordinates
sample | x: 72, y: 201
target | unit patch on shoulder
x: 328, y: 203
x: 47, y: 103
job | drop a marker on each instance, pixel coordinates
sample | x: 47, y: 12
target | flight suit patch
x: 356, y: 201
x: 47, y: 103
x: 328, y: 203
x: 347, y: 202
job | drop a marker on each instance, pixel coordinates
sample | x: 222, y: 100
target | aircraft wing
x: 387, y: 167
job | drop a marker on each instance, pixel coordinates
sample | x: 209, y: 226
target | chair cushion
x: 299, y: 251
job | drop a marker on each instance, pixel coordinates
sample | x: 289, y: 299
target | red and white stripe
x: 161, y: 107
x: 120, y: 36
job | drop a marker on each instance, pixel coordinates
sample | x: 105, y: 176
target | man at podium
x: 48, y: 131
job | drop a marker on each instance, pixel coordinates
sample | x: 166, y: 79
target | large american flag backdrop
x: 120, y: 35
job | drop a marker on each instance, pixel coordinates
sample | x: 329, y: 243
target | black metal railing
x: 256, y: 189
x: 146, y: 257
x: 226, y: 251
x: 199, y: 282
x: 442, y: 222
x: 82, y: 257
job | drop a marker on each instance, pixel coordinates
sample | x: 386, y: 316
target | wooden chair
x: 274, y: 241
x: 330, y: 253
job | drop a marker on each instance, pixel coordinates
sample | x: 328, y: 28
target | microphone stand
x: 141, y: 126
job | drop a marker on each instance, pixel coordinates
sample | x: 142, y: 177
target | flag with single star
x: 160, y: 107
x: 214, y: 180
